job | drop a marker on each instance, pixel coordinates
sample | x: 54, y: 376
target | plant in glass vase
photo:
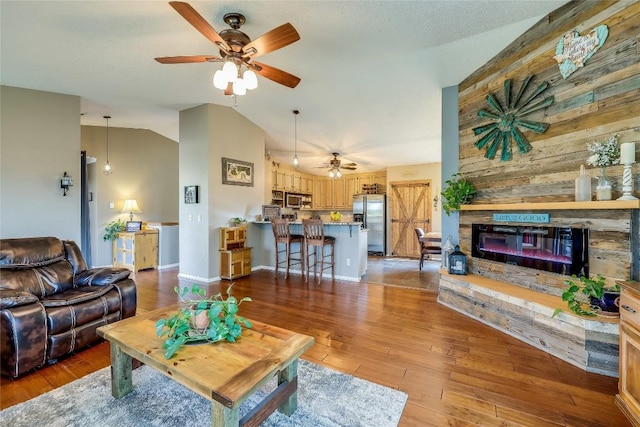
x: 604, y: 154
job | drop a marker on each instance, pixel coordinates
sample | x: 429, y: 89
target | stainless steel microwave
x: 294, y: 200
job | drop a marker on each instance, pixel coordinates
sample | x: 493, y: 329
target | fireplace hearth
x: 562, y: 250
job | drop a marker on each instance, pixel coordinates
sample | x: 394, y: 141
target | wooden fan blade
x: 275, y: 74
x: 275, y: 39
x: 351, y: 168
x: 188, y: 59
x: 349, y: 164
x: 198, y: 22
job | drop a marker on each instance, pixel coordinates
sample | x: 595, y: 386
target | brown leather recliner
x: 51, y: 304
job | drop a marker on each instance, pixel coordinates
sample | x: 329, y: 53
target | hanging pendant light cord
x: 107, y: 117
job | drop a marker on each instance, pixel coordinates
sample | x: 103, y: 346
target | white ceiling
x: 371, y: 71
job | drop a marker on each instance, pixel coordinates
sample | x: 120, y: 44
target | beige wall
x: 425, y: 171
x: 207, y: 134
x: 145, y: 168
x: 40, y: 140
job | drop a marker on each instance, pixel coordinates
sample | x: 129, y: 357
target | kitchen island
x: 350, y: 247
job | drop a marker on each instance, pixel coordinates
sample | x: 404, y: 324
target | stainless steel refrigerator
x: 373, y: 209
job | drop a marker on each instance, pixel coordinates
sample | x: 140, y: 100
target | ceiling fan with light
x: 237, y: 51
x: 336, y: 165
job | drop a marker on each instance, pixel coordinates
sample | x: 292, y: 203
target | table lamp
x: 131, y: 206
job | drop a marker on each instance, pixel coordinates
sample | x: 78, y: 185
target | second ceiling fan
x: 237, y: 49
x: 336, y: 165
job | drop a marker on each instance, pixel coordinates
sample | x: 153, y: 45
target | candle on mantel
x: 628, y: 153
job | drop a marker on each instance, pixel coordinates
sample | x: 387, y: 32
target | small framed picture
x: 191, y: 194
x: 133, y: 226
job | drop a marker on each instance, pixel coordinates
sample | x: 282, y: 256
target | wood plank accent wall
x: 595, y: 102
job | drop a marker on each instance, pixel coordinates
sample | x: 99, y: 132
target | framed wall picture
x: 191, y: 194
x: 237, y: 172
x: 133, y: 226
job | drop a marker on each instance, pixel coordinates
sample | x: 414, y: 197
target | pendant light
x: 296, y: 161
x: 106, y: 168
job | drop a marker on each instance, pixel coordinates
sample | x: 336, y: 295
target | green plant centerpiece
x: 201, y: 319
x: 458, y: 191
x: 113, y: 228
x: 589, y: 297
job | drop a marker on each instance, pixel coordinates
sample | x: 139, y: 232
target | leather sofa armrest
x: 15, y: 298
x: 101, y: 276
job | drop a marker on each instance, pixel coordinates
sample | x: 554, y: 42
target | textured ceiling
x: 372, y: 71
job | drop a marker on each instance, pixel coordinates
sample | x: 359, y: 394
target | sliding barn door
x: 409, y: 208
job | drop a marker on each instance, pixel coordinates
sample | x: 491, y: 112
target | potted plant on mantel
x: 458, y: 191
x: 590, y: 297
x: 201, y: 319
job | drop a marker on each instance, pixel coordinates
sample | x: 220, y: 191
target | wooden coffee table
x: 225, y: 373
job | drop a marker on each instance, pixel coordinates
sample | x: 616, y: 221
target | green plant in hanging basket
x: 113, y: 228
x: 201, y: 319
x: 458, y: 191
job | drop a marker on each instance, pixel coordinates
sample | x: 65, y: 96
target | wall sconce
x: 65, y: 182
x: 131, y: 206
x: 436, y: 199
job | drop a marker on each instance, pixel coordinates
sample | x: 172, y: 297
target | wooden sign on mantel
x: 573, y: 50
x: 535, y: 218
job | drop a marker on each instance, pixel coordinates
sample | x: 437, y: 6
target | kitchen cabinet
x: 318, y: 193
x: 330, y: 194
x: 351, y: 187
x: 278, y: 179
x: 628, y: 397
x: 136, y: 250
x: 306, y: 185
x: 235, y: 256
x: 339, y: 194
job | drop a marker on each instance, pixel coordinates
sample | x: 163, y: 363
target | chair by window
x: 315, y: 239
x: 283, y: 240
x: 430, y: 244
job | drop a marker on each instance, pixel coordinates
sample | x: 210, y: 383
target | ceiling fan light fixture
x: 250, y: 79
x: 239, y: 87
x: 220, y: 80
x: 338, y: 173
x: 331, y: 173
x: 230, y: 71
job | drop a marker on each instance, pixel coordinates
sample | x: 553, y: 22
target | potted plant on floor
x: 458, y: 191
x: 201, y: 319
x: 590, y: 297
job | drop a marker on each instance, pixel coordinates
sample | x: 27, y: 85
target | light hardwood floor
x: 456, y: 371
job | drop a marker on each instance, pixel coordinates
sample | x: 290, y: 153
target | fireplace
x: 562, y: 250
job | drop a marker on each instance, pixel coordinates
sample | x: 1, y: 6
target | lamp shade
x: 131, y: 206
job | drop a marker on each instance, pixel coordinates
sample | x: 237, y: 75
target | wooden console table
x: 136, y: 250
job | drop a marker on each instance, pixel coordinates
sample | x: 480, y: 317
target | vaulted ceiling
x: 371, y: 71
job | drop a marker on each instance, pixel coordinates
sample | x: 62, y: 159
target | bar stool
x: 314, y: 237
x: 281, y: 236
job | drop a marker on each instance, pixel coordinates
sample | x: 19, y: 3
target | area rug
x: 325, y: 398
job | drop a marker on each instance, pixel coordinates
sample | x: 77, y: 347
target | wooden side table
x: 136, y: 250
x: 235, y: 256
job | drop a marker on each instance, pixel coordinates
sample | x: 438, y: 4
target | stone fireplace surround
x: 520, y: 301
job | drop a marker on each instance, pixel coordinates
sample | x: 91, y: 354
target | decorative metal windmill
x: 508, y: 118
